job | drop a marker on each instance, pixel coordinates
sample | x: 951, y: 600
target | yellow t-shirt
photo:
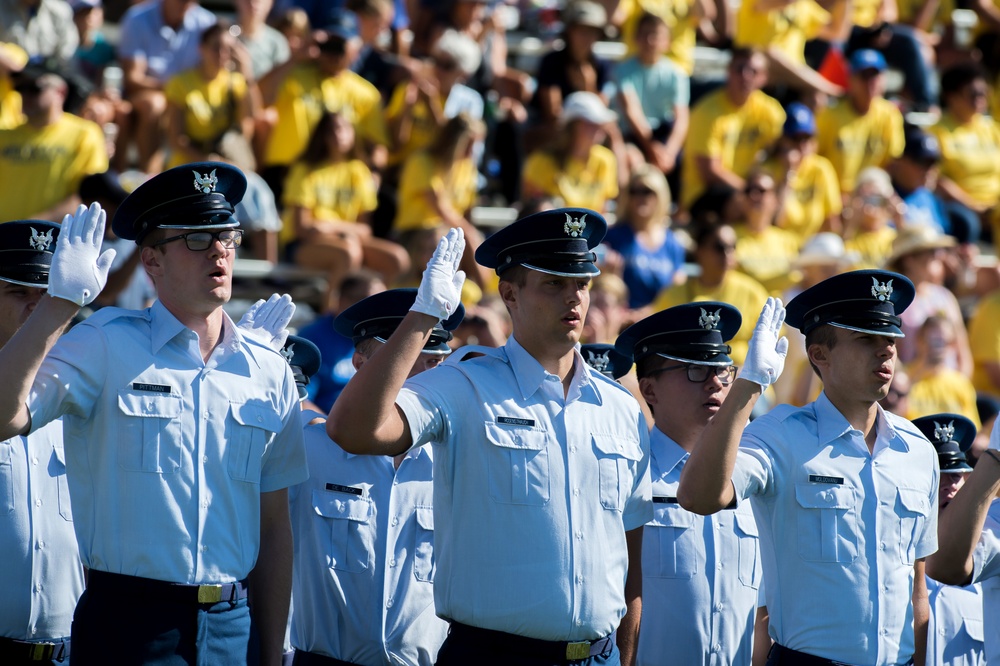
x: 680, y: 20
x: 864, y: 13
x: 743, y: 292
x: 767, y: 257
x: 335, y: 191
x: 305, y: 94
x: 853, y: 142
x: 786, y: 29
x: 422, y: 131
x: 10, y: 101
x: 984, y: 341
x: 970, y: 156
x: 420, y: 178
x: 736, y: 135
x: 42, y: 167
x: 813, y: 195
x: 872, y: 247
x: 580, y: 184
x: 949, y: 391
x: 210, y: 107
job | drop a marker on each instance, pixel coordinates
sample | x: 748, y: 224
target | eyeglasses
x: 641, y: 192
x: 699, y: 374
x: 723, y: 248
x: 199, y: 241
x: 756, y: 189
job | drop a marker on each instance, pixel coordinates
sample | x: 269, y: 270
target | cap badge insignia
x: 881, y: 291
x: 599, y: 362
x: 40, y: 242
x: 205, y: 184
x: 944, y: 433
x: 575, y: 227
x: 708, y: 320
x: 288, y: 353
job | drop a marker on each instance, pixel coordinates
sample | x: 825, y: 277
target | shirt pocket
x: 518, y: 465
x: 251, y: 426
x: 827, y: 522
x: 7, y: 476
x: 149, y: 432
x: 974, y: 629
x: 745, y: 528
x: 423, y: 546
x: 617, y: 458
x: 673, y: 543
x: 912, y: 507
x: 57, y: 468
x: 351, y: 537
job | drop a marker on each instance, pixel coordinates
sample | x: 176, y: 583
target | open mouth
x: 713, y: 404
x: 572, y: 319
x: 884, y: 373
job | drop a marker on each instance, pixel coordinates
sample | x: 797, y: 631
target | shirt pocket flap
x: 516, y: 438
x: 746, y: 523
x: 330, y: 505
x: 163, y: 406
x: 5, y: 452
x: 671, y: 515
x: 425, y: 517
x: 617, y: 445
x: 815, y: 496
x: 256, y: 415
x: 974, y: 628
x: 914, y: 501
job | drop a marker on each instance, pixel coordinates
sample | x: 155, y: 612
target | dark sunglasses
x: 641, y: 192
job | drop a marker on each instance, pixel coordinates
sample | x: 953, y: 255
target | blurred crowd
x: 831, y: 135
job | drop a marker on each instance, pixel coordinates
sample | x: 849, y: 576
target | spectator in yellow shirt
x: 577, y: 168
x: 12, y: 60
x: 730, y: 128
x: 871, y: 208
x: 764, y: 251
x: 984, y: 340
x: 862, y: 129
x: 935, y: 385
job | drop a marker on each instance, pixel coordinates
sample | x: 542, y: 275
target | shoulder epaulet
x: 106, y: 315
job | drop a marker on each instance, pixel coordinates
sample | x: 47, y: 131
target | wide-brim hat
x: 824, y: 249
x: 867, y: 301
x: 379, y: 315
x: 915, y: 238
x: 952, y: 436
x: 693, y: 333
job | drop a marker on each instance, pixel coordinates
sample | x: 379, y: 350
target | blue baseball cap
x: 379, y: 315
x: 867, y: 59
x: 799, y: 119
x: 952, y: 436
x: 341, y: 23
x: 605, y: 359
x: 559, y: 242
x: 26, y: 248
x: 693, y: 333
x: 867, y: 301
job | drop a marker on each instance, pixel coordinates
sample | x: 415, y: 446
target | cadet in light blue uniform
x: 955, y: 631
x: 700, y: 575
x: 541, y: 481
x: 181, y: 433
x: 366, y: 597
x: 41, y: 575
x: 844, y: 493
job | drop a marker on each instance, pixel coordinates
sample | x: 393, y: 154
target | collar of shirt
x: 530, y: 374
x: 165, y: 327
x: 669, y: 453
x: 831, y: 425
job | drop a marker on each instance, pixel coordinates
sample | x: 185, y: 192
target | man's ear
x: 508, y: 292
x: 819, y: 355
x: 152, y: 261
x: 647, y: 390
x: 358, y: 360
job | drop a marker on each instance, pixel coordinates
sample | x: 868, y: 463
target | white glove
x: 440, y: 289
x: 79, y: 269
x: 267, y: 321
x: 766, y: 353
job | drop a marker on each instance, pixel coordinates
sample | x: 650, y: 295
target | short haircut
x: 370, y: 7
x: 647, y: 364
x: 647, y: 20
x: 367, y: 347
x: 517, y: 275
x: 821, y: 335
x: 958, y: 76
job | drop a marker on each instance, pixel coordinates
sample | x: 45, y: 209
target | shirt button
x: 392, y: 562
x: 41, y: 544
x: 719, y: 607
x: 204, y: 548
x: 260, y: 419
x: 579, y: 579
x: 881, y: 546
x: 572, y: 449
x: 206, y: 415
x: 34, y: 461
x: 204, y: 459
x: 395, y: 521
x: 576, y: 492
x: 389, y: 603
x: 38, y: 587
x: 38, y: 502
x: 579, y: 622
x: 205, y: 504
x: 579, y: 534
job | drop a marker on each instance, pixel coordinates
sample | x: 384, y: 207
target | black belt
x: 102, y: 581
x: 782, y: 656
x: 16, y: 652
x: 312, y: 659
x: 499, y: 642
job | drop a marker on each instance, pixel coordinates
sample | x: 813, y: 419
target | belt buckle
x: 578, y: 650
x: 41, y: 651
x: 209, y: 594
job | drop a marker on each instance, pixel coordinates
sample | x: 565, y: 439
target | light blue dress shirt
x: 41, y: 577
x: 955, y: 632
x: 144, y: 36
x: 840, y: 528
x: 986, y: 570
x: 167, y: 455
x: 658, y: 88
x: 533, y: 492
x: 364, y: 557
x: 700, y: 574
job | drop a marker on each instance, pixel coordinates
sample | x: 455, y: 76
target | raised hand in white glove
x: 440, y: 289
x: 267, y: 321
x: 79, y: 269
x: 766, y: 353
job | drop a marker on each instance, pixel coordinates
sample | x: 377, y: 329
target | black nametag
x: 152, y: 388
x: 350, y: 490
x: 819, y: 478
x: 664, y: 500
x: 509, y: 420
